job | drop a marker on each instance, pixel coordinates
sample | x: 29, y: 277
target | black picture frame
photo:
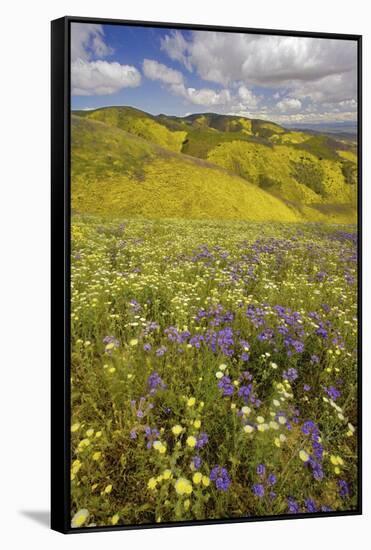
x: 60, y: 270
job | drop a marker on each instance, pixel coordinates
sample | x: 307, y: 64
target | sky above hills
x: 176, y: 72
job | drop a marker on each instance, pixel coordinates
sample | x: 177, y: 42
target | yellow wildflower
x: 303, y: 455
x: 177, y: 429
x: 191, y: 441
x: 97, y: 455
x: 114, y: 519
x: 152, y: 483
x: 108, y: 489
x: 248, y: 429
x: 197, y: 424
x: 83, y: 444
x: 336, y: 460
x: 183, y: 486
x: 205, y: 481
x: 160, y: 447
x: 75, y: 427
x: 197, y: 478
x: 76, y: 465
x: 191, y: 401
x: 80, y: 518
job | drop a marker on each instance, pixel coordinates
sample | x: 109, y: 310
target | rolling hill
x: 131, y: 163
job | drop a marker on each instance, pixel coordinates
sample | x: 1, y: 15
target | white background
x: 24, y: 272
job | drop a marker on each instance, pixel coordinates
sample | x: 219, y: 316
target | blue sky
x: 285, y: 79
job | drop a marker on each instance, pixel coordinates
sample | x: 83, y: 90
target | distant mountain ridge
x: 346, y: 127
x: 297, y: 174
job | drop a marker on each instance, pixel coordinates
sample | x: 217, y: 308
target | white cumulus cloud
x: 157, y: 71
x: 206, y: 96
x: 289, y: 104
x: 102, y: 78
x: 90, y: 75
x: 154, y: 70
x: 296, y: 73
x: 247, y: 97
x: 175, y: 45
x: 87, y: 41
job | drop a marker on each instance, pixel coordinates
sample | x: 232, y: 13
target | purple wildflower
x: 155, y: 382
x: 298, y: 346
x: 196, y: 461
x: 161, y: 351
x: 226, y: 386
x: 310, y: 505
x: 258, y: 490
x: 135, y: 306
x: 333, y: 393
x: 271, y: 479
x: 293, y: 506
x: 245, y: 392
x: 290, y: 374
x: 322, y: 332
x: 111, y: 340
x: 343, y: 488
x: 202, y: 440
x: 220, y: 477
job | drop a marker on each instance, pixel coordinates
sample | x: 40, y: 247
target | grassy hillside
x: 313, y: 173
x: 118, y: 174
x: 286, y: 171
x: 140, y: 124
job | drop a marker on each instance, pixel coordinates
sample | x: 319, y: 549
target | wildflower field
x: 214, y: 370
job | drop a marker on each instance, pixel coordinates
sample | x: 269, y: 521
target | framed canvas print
x: 206, y: 225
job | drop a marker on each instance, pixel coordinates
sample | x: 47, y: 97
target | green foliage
x: 265, y: 129
x: 309, y: 173
x: 265, y: 182
x: 323, y: 147
x: 349, y: 170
